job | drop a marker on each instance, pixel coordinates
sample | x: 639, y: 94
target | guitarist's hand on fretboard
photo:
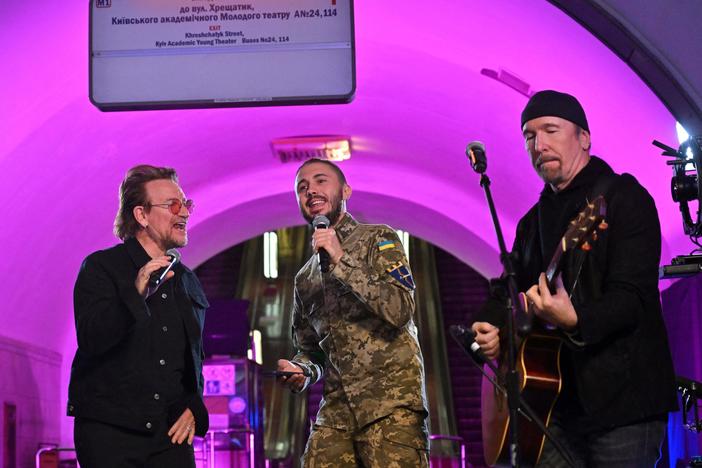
x: 488, y: 337
x: 556, y: 309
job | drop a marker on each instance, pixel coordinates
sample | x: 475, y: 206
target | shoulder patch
x: 385, y: 245
x: 402, y: 275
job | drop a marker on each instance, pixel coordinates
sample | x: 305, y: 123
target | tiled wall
x: 30, y: 380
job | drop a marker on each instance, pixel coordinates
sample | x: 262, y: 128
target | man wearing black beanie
x: 616, y: 368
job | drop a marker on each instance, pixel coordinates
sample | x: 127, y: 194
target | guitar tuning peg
x: 583, y: 229
x: 586, y: 246
x: 594, y: 235
x: 603, y: 225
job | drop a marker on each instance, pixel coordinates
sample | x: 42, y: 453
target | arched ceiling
x: 420, y: 99
x: 659, y: 40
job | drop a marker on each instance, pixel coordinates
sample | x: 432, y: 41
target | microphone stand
x: 523, y: 325
x: 512, y: 381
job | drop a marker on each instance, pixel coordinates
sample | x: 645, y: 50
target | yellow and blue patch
x: 402, y: 275
x: 385, y: 245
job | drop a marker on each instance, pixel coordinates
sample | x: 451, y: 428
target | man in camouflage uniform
x: 354, y: 326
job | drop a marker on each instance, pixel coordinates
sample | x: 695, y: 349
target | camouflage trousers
x: 399, y: 440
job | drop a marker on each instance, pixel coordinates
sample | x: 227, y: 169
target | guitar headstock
x: 584, y: 228
x: 581, y: 231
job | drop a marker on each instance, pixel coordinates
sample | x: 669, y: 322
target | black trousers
x: 636, y: 445
x: 100, y: 445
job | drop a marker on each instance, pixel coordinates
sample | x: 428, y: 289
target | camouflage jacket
x: 355, y: 326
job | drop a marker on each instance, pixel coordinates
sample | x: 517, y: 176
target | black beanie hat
x: 556, y: 104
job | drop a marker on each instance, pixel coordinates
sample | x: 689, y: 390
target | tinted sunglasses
x: 175, y: 205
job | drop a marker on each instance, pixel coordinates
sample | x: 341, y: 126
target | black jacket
x: 113, y: 376
x: 618, y: 367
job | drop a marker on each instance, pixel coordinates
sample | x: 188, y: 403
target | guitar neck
x: 582, y: 229
x: 554, y: 267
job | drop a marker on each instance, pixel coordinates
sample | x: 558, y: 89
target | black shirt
x: 117, y: 376
x: 168, y: 338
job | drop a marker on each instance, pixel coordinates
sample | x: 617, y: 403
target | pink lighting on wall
x: 420, y: 99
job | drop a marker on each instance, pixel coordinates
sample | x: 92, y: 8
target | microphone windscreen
x: 173, y: 253
x: 320, y: 221
x: 461, y: 331
x: 476, y: 153
x: 475, y: 145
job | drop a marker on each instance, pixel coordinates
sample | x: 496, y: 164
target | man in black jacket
x: 618, y: 380
x: 136, y: 380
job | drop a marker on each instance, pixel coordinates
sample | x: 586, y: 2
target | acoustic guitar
x: 537, y: 359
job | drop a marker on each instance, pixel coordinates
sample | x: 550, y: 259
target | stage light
x: 682, y: 133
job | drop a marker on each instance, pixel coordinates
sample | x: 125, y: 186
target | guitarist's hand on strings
x: 488, y: 337
x: 556, y: 309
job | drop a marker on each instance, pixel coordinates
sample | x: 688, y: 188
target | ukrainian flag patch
x: 402, y: 275
x: 385, y: 245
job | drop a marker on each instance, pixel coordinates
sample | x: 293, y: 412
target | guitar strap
x: 603, y: 186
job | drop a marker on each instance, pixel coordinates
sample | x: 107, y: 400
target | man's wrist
x: 336, y: 258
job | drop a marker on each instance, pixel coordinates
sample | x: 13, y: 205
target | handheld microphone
x: 466, y: 338
x: 322, y: 222
x: 476, y: 153
x: 158, y: 276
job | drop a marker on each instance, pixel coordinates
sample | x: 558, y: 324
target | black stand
x: 515, y: 316
x: 512, y: 381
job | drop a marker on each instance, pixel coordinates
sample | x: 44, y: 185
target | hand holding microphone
x: 482, y: 341
x: 487, y: 336
x: 155, y: 272
x: 466, y: 338
x: 322, y: 222
x: 326, y: 243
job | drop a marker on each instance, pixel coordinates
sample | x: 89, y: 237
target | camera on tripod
x: 685, y: 187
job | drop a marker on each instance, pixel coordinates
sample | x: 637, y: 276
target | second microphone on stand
x: 476, y: 153
x: 466, y: 339
x: 322, y: 222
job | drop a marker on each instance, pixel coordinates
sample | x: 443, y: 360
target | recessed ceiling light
x: 302, y: 148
